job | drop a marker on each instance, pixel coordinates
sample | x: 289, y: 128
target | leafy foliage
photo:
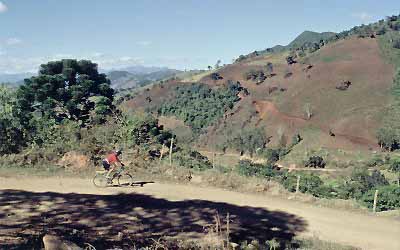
x: 67, y: 89
x: 395, y: 165
x: 309, y: 183
x: 315, y: 162
x: 248, y: 168
x: 361, y: 182
x: 257, y: 76
x: 192, y: 159
x: 200, y: 106
x: 12, y: 136
x: 141, y: 129
x: 388, y: 198
x: 389, y: 133
x: 250, y: 139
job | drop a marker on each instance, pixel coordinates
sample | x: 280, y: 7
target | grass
x: 274, y: 58
x: 196, y: 77
x: 391, y: 54
x: 337, y: 57
x: 315, y: 243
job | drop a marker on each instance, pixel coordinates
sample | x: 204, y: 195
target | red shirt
x: 111, y: 158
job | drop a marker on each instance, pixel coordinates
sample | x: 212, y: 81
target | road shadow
x: 98, y: 219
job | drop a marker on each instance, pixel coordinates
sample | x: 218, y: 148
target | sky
x: 181, y: 34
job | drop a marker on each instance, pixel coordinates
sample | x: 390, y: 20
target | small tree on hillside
x: 387, y: 137
x: 217, y: 65
x: 270, y: 68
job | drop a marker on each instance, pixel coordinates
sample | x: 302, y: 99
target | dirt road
x: 169, y: 209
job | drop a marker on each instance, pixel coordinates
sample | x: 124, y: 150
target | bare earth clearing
x: 31, y: 204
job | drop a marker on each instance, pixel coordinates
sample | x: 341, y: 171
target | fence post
x: 213, y: 158
x: 162, y: 152
x: 298, y: 184
x: 170, y: 151
x: 375, y: 200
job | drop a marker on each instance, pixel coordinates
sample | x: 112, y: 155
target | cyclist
x: 111, y: 162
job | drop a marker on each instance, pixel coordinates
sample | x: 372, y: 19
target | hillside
x: 306, y: 97
x: 310, y: 37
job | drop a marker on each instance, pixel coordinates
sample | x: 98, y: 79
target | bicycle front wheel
x: 125, y: 180
x: 100, y: 180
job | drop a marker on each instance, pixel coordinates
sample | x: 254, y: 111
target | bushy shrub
x: 250, y: 139
x: 12, y: 136
x: 388, y: 198
x: 192, y: 159
x: 315, y: 162
x: 248, y: 168
x: 361, y: 182
x: 272, y: 155
x: 395, y: 165
x: 216, y: 76
x: 257, y: 76
x: 309, y: 183
x: 375, y: 161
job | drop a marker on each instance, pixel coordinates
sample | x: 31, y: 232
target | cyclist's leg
x: 110, y: 171
x: 106, y: 167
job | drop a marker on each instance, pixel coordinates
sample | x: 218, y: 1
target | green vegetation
x: 248, y: 140
x: 389, y: 198
x: 310, y: 37
x: 11, y: 130
x: 310, y: 42
x: 67, y: 89
x: 192, y: 159
x: 248, y: 168
x: 199, y: 106
x: 68, y: 108
x: 389, y: 133
x: 257, y: 76
x: 360, y: 185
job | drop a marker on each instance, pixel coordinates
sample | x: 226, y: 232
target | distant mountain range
x: 129, y: 77
x: 138, y: 76
x: 14, y: 79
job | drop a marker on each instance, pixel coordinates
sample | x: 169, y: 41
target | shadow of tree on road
x: 95, y: 218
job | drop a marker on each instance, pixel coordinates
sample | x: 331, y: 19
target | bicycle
x: 124, y: 179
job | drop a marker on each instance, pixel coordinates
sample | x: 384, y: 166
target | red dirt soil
x: 352, y: 115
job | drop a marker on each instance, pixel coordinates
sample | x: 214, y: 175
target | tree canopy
x: 67, y: 89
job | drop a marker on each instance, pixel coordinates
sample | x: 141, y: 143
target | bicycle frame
x: 118, y: 172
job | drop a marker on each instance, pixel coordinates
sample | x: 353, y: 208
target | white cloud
x: 3, y: 7
x: 12, y: 65
x: 97, y: 54
x: 363, y: 16
x: 144, y: 43
x: 13, y: 41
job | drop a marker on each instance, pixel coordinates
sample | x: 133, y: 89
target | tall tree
x: 67, y: 89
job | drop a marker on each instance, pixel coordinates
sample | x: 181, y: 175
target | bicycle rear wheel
x: 100, y: 180
x: 125, y: 180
